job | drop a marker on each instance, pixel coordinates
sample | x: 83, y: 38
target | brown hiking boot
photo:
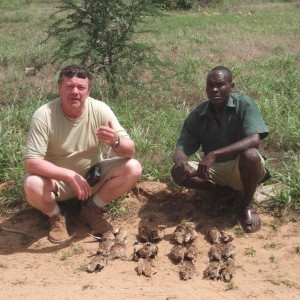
x: 58, y: 232
x: 93, y: 217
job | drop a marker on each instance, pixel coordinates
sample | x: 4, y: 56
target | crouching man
x: 229, y: 128
x: 65, y: 140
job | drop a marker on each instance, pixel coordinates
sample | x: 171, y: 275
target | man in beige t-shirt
x: 65, y: 140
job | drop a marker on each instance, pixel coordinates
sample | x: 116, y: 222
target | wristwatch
x: 117, y: 143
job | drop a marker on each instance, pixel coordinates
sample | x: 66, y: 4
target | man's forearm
x: 125, y: 149
x: 251, y: 141
x: 45, y: 169
x: 179, y: 157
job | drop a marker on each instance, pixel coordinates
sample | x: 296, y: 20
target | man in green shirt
x: 228, y: 127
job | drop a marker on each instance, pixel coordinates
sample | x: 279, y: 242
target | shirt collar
x: 207, y: 108
x: 230, y: 102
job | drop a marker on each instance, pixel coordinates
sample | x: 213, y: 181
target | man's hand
x: 107, y: 134
x: 183, y: 170
x: 79, y: 184
x: 205, y: 164
x: 47, y: 169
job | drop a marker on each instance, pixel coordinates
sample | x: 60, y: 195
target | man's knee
x: 134, y: 168
x: 36, y: 186
x: 249, y: 157
x: 251, y: 163
x: 32, y: 183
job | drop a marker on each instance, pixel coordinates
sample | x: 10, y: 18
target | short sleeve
x: 189, y: 139
x: 252, y: 120
x: 37, y: 140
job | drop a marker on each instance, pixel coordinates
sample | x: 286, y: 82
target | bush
x: 100, y: 35
x: 176, y: 4
x: 187, y: 4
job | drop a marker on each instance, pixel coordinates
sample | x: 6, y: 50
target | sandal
x: 250, y: 221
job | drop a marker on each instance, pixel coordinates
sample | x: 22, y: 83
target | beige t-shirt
x: 66, y: 142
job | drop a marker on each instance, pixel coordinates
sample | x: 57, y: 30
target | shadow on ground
x: 27, y: 231
x: 170, y: 208
x: 164, y: 207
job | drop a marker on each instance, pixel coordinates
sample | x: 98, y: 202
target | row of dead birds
x: 184, y: 252
x: 145, y: 250
x: 221, y: 255
x: 112, y: 245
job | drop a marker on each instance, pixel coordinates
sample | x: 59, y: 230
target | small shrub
x: 117, y: 208
x: 77, y: 249
x: 100, y: 35
x: 250, y: 251
x: 176, y: 4
x: 271, y: 246
x: 87, y: 286
x: 230, y: 286
x: 65, y: 255
x: 238, y: 231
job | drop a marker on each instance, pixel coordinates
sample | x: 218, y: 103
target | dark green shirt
x: 240, y: 118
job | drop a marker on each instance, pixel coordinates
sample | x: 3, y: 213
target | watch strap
x: 117, y: 143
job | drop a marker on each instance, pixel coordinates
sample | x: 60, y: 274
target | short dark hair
x: 74, y: 70
x: 224, y: 70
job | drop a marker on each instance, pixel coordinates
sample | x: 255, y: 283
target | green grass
x: 250, y: 251
x: 65, y: 255
x: 257, y: 40
x: 77, y: 249
x: 272, y: 245
x: 87, y: 286
x: 287, y: 196
x: 231, y: 286
x: 117, y: 208
x: 238, y: 231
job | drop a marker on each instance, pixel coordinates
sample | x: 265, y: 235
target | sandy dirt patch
x: 267, y: 263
